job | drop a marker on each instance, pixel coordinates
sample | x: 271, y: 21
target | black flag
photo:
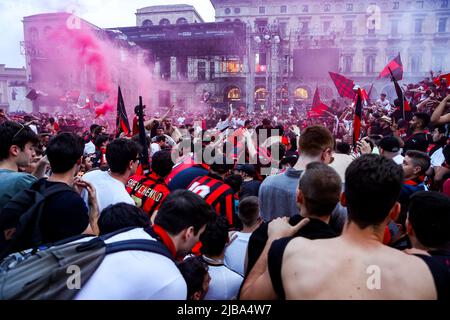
x: 145, y: 163
x: 122, y: 124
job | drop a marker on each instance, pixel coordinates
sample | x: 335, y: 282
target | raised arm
x: 437, y: 118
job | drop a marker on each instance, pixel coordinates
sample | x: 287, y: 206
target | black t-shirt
x: 315, y: 229
x: 249, y: 188
x: 418, y: 141
x: 439, y: 265
x: 64, y: 215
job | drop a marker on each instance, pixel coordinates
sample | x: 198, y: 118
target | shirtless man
x: 347, y: 267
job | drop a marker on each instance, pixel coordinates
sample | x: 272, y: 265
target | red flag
x: 318, y: 108
x: 397, y: 69
x: 122, y: 124
x: 357, y: 118
x: 343, y: 85
x: 438, y: 79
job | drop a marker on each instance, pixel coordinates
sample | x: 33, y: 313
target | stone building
x: 13, y: 89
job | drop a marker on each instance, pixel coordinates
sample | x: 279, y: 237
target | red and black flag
x: 122, y: 124
x: 438, y: 80
x: 357, y: 118
x: 343, y: 85
x: 404, y: 104
x: 397, y: 69
x: 318, y: 108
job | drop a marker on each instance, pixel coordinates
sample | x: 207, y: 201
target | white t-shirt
x: 224, y: 284
x: 223, y: 125
x: 134, y: 275
x: 437, y: 158
x: 109, y: 190
x: 154, y: 148
x: 89, y: 148
x: 235, y: 252
x: 386, y: 105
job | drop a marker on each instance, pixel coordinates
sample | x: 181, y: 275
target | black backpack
x: 49, y: 274
x: 20, y: 217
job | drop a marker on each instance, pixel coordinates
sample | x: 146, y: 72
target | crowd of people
x: 286, y: 207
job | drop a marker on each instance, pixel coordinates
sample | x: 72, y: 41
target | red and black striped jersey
x: 175, y: 180
x: 216, y: 193
x: 148, y: 191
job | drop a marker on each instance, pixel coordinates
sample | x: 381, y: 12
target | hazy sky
x: 102, y: 13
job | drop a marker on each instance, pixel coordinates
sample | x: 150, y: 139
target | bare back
x: 341, y: 269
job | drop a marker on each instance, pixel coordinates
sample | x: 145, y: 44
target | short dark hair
x: 14, y: 133
x: 372, y: 186
x: 120, y: 152
x: 420, y: 159
x: 424, y: 117
x: 314, y: 140
x: 194, y: 270
x: 162, y: 163
x: 183, y: 209
x: 100, y: 139
x: 215, y: 236
x: 343, y: 147
x: 160, y: 138
x: 429, y: 215
x: 93, y: 127
x: 234, y: 181
x: 248, y: 210
x: 64, y: 150
x: 122, y: 215
x: 321, y: 187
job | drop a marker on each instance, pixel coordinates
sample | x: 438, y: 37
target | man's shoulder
x: 281, y: 178
x: 94, y: 174
x: 16, y: 177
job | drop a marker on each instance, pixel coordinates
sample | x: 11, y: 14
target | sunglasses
x: 20, y: 130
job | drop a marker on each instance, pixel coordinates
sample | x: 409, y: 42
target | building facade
x: 262, y: 54
x: 362, y: 36
x: 166, y: 15
x: 13, y: 89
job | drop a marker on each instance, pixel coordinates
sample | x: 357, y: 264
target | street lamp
x: 268, y: 39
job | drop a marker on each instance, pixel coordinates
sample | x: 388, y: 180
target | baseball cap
x: 247, y: 168
x: 390, y: 144
x: 386, y: 118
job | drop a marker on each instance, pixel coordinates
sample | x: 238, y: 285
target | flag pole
x: 142, y: 137
x: 403, y: 94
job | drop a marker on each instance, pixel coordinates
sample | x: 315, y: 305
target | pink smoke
x: 80, y: 59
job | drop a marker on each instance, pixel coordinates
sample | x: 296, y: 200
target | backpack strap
x: 138, y: 244
x: 46, y: 193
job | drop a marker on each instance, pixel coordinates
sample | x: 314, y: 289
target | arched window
x: 164, y: 22
x: 147, y: 23
x: 261, y: 94
x: 182, y: 21
x: 233, y: 93
x: 237, y: 20
x: 301, y: 94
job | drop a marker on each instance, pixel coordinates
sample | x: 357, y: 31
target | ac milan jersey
x: 216, y: 193
x: 184, y: 172
x: 148, y: 191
